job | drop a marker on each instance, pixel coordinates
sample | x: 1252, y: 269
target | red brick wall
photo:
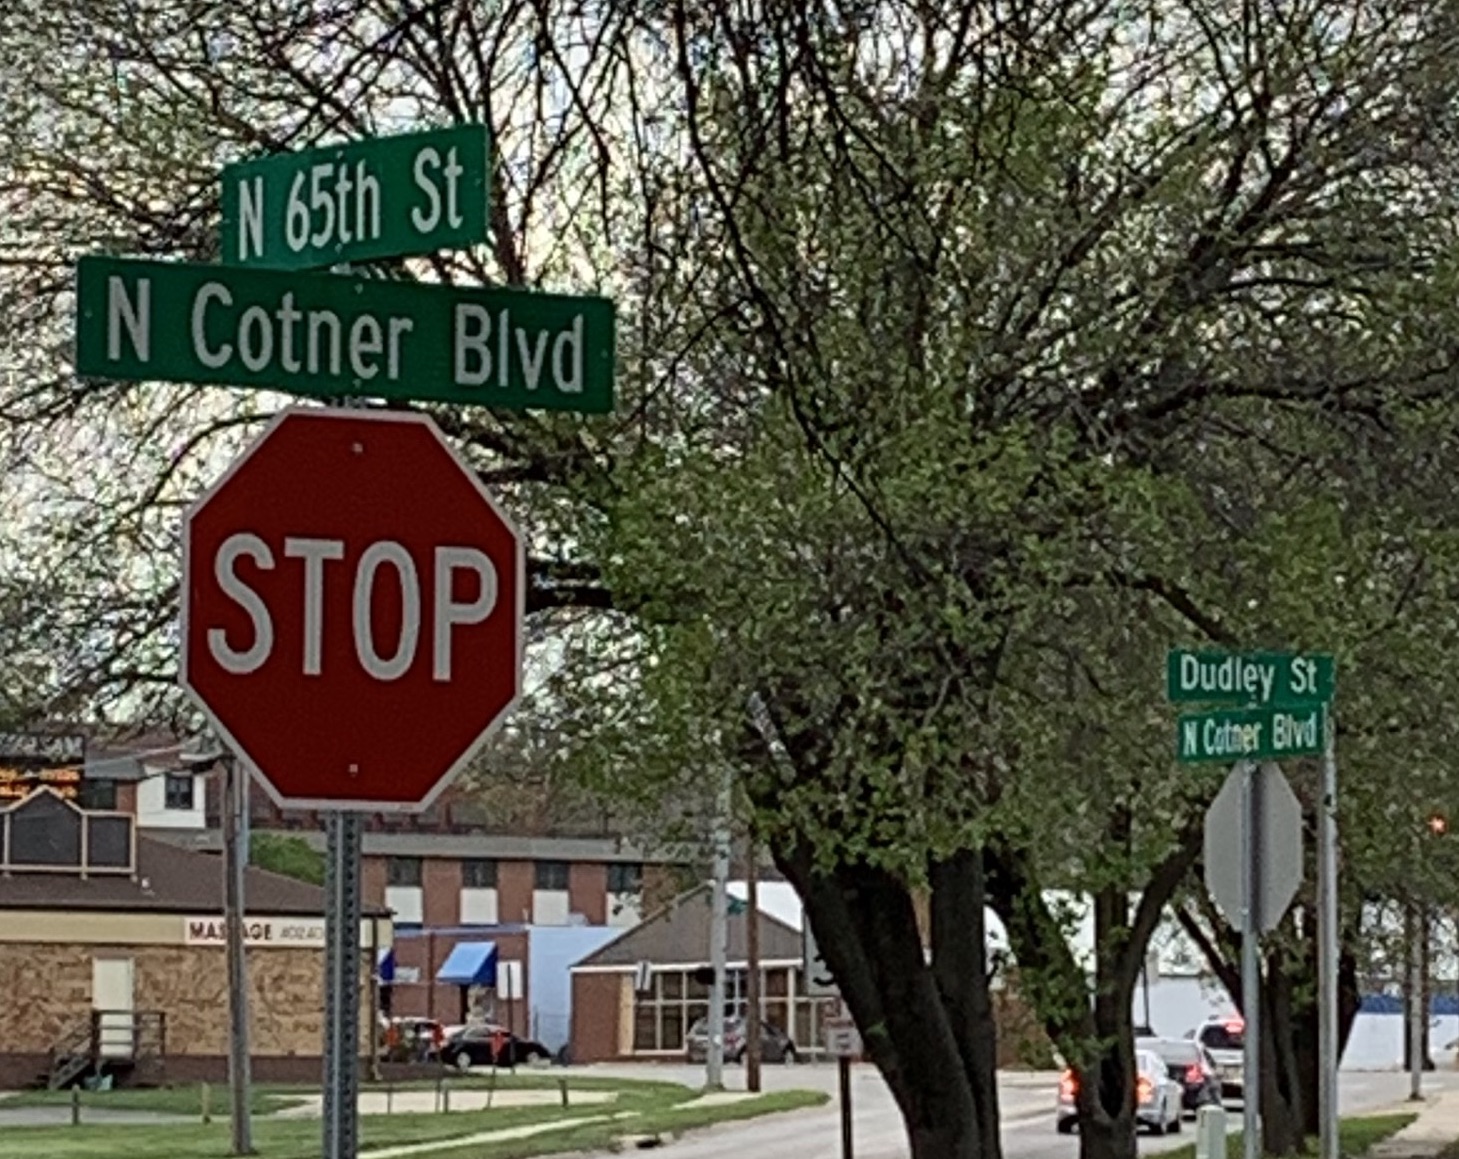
x: 595, y: 999
x: 514, y: 882
x: 372, y: 881
x: 441, y: 890
x: 587, y: 891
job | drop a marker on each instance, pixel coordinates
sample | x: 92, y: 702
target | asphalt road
x: 1027, y: 1102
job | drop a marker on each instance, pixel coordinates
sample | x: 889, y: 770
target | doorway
x: 111, y: 998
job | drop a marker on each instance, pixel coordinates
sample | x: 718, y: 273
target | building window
x: 625, y: 877
x: 552, y: 875
x: 403, y: 871
x: 178, y: 791
x: 98, y: 795
x: 663, y: 1017
x: 478, y: 873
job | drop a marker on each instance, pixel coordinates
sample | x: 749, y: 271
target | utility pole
x: 235, y: 858
x: 752, y: 966
x: 718, y: 934
x: 1416, y: 1012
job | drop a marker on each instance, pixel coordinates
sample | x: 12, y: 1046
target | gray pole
x: 1327, y: 950
x: 1418, y: 930
x: 719, y: 937
x: 342, y: 986
x: 235, y: 857
x: 1251, y: 961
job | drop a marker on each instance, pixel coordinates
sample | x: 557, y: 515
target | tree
x: 291, y: 856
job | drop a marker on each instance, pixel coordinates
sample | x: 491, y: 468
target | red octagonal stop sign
x: 353, y: 607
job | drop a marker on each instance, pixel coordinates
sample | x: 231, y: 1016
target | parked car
x: 1225, y: 1040
x: 1157, y: 1097
x: 775, y: 1044
x: 487, y: 1044
x: 1191, y: 1065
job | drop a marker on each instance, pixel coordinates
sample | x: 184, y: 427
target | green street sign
x: 329, y: 336
x: 1249, y: 677
x: 383, y: 197
x: 1251, y: 734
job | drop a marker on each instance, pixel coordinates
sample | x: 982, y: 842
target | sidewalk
x: 1436, y: 1127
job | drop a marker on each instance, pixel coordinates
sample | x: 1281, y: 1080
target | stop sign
x: 351, y: 620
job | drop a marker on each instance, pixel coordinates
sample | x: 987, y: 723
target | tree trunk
x: 960, y: 967
x: 1282, y: 1111
x: 1097, y: 1039
x: 928, y: 1028
x: 1290, y: 1056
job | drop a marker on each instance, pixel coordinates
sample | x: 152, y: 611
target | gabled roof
x: 678, y: 933
x: 167, y: 880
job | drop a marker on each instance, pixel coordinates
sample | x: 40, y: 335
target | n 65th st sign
x: 331, y: 336
x: 382, y: 197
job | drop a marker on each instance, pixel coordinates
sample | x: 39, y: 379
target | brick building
x: 613, y: 1018
x: 111, y: 952
x: 529, y: 891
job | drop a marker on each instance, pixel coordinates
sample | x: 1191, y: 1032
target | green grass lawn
x: 651, y: 1107
x: 266, y: 1099
x: 1355, y: 1136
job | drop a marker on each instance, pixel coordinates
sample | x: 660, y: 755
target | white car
x: 1157, y: 1097
x: 1225, y: 1040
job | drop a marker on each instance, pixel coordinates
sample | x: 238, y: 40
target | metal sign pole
x: 235, y: 858
x: 341, y: 986
x: 1329, y: 1056
x: 1251, y: 960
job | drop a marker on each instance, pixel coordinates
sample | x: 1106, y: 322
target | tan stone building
x: 111, y: 951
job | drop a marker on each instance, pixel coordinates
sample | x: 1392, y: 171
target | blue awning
x: 469, y: 964
x: 385, y: 966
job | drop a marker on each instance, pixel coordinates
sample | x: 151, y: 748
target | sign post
x: 349, y: 572
x: 342, y: 985
x: 844, y: 1041
x: 1284, y: 711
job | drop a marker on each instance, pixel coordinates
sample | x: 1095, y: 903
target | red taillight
x: 1144, y: 1090
x: 1067, y: 1086
x: 1195, y: 1073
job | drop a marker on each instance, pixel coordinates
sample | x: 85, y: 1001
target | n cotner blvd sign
x: 1251, y: 734
x: 331, y: 336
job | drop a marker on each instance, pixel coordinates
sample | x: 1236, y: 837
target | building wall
x: 441, y: 883
x: 514, y: 884
x: 597, y: 1003
x: 48, y: 989
x: 421, y: 954
x: 587, y: 891
x: 372, y: 881
x: 153, y: 811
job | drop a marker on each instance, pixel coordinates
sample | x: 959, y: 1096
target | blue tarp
x: 469, y: 964
x: 1439, y: 1004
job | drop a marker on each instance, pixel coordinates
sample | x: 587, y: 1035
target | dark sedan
x: 489, y: 1045
x: 1189, y: 1065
